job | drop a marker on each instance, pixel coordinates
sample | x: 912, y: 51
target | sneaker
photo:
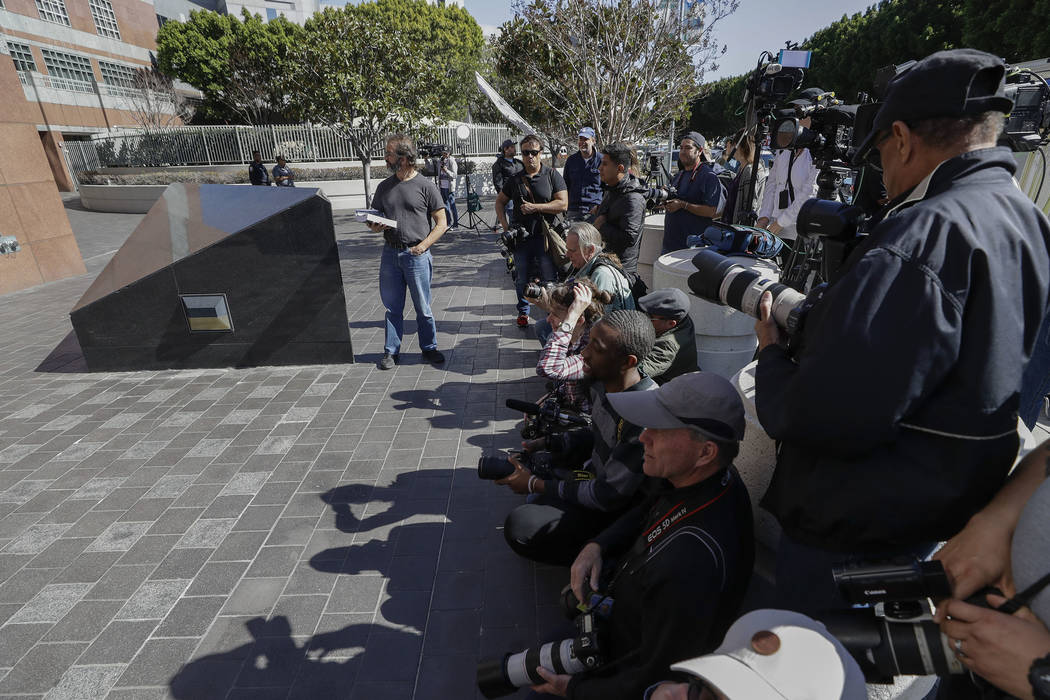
x: 433, y: 356
x: 523, y: 320
x: 388, y: 361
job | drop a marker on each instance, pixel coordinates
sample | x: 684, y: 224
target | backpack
x: 736, y: 239
x: 635, y: 283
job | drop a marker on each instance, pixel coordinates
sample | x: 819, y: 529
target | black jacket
x: 684, y: 563
x: 624, y: 210
x: 503, y: 170
x: 897, y: 422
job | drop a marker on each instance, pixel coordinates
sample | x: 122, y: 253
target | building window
x: 53, y: 11
x: 22, y: 56
x: 117, y: 74
x: 270, y: 14
x: 67, y: 66
x: 105, y: 20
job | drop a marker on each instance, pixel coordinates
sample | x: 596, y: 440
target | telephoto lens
x: 569, y: 656
x: 720, y: 280
x: 494, y: 467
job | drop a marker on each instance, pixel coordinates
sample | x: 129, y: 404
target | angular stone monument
x: 220, y: 276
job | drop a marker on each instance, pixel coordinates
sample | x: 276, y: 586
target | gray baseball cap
x: 667, y: 303
x: 702, y: 400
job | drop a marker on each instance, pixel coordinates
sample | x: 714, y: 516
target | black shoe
x: 388, y: 361
x: 433, y: 356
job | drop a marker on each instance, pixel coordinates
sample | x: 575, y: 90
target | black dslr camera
x: 896, y: 634
x: 656, y: 197
x: 545, y: 418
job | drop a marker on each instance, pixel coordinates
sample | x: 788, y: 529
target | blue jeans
x: 397, y: 270
x: 451, y: 215
x: 531, y: 261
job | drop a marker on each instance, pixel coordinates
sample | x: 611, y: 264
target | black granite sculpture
x: 220, y: 276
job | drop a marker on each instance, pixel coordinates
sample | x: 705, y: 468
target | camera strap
x: 1023, y: 598
x: 791, y: 166
x: 662, y: 526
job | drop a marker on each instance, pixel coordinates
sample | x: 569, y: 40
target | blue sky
x: 757, y: 25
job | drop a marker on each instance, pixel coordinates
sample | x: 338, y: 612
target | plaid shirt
x: 561, y: 361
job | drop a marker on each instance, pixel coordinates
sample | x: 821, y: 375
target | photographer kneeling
x: 896, y: 420
x: 1004, y: 545
x: 674, y: 352
x: 574, y: 308
x: 569, y: 511
x: 676, y: 567
x: 584, y: 247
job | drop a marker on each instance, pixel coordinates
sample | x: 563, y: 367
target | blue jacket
x: 583, y: 181
x: 897, y: 422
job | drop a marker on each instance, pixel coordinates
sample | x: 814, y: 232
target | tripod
x: 474, y: 222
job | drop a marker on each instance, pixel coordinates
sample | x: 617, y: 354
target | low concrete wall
x: 137, y: 199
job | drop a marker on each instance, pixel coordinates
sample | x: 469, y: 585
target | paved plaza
x: 276, y: 532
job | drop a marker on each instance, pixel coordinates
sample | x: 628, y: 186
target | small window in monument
x: 270, y: 14
x: 207, y: 313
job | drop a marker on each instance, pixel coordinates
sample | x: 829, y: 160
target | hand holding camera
x: 586, y: 570
x: 521, y: 480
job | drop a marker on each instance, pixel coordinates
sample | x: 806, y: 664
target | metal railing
x: 54, y: 82
x: 233, y: 145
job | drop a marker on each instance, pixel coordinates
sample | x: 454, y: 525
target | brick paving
x: 286, y: 532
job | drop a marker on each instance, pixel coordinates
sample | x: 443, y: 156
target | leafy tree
x: 449, y: 38
x: 237, y: 63
x: 627, y: 67
x: 1017, y: 30
x: 355, y: 74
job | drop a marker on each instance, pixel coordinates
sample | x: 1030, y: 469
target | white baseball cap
x: 779, y: 655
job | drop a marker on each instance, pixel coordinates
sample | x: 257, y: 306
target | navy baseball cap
x: 586, y: 132
x: 953, y: 83
x: 506, y: 144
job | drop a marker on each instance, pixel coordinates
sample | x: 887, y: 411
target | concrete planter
x: 125, y: 199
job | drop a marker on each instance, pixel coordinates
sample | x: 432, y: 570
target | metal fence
x: 233, y: 145
x: 80, y: 157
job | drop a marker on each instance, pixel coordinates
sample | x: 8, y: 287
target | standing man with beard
x: 699, y: 194
x: 413, y: 202
x: 582, y: 178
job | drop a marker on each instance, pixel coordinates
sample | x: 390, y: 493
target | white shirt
x: 448, y: 180
x: 804, y: 182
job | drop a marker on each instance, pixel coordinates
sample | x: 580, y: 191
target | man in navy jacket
x: 897, y: 418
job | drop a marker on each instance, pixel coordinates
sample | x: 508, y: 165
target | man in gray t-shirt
x: 413, y: 201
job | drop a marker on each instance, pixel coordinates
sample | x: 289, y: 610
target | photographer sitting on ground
x: 676, y: 566
x: 674, y: 352
x: 584, y: 247
x: 1004, y: 545
x: 574, y: 308
x: 569, y: 511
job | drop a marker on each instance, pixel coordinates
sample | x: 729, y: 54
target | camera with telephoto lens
x: 656, y: 197
x: 896, y: 634
x: 493, y: 467
x: 431, y: 150
x: 720, y: 280
x: 505, y: 246
x: 570, y: 656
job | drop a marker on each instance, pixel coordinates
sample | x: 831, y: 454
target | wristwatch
x: 1039, y: 677
x: 565, y: 327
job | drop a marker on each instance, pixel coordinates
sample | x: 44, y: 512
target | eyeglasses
x: 874, y: 156
x: 529, y: 152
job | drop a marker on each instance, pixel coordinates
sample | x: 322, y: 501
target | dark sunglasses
x: 529, y: 152
x: 874, y: 156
